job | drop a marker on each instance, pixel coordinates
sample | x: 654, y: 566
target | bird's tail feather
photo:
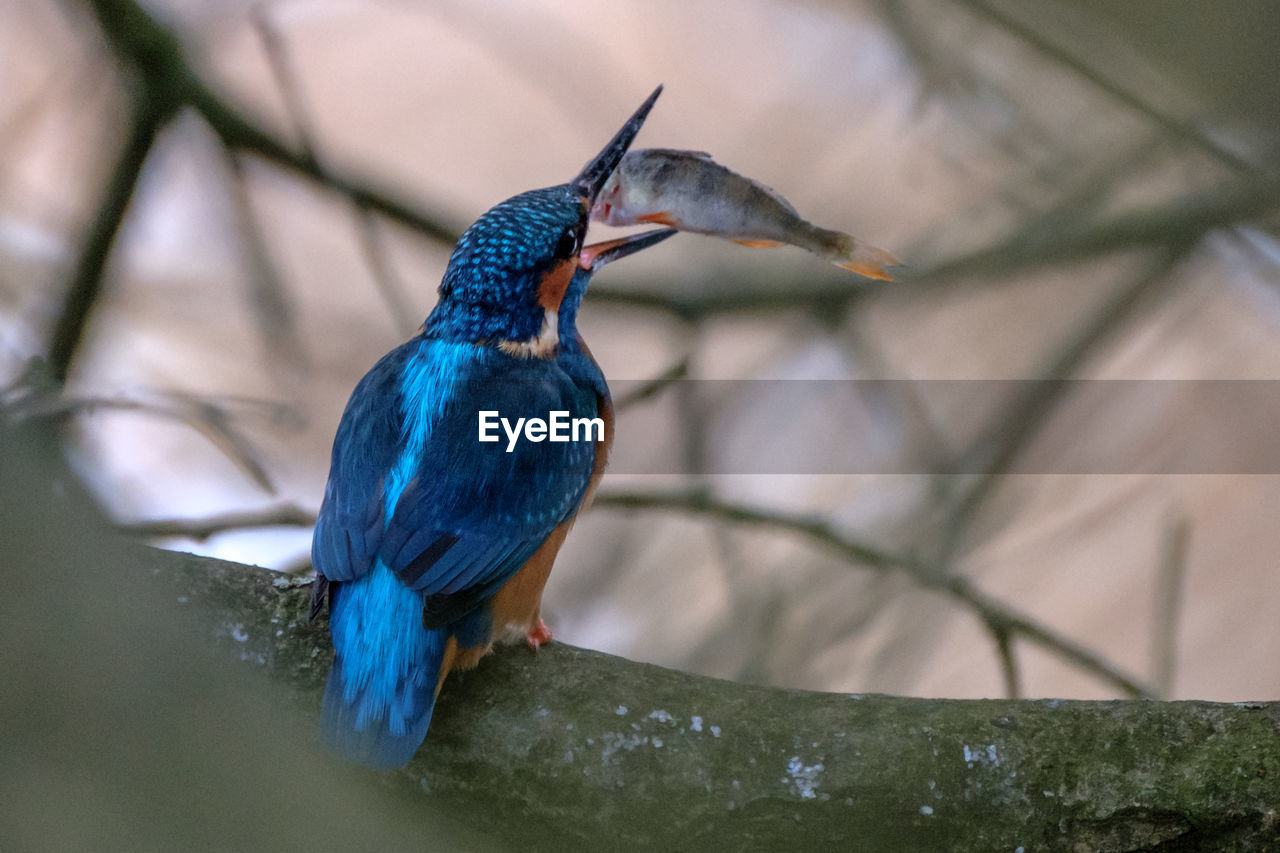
x: 382, y: 687
x: 380, y: 731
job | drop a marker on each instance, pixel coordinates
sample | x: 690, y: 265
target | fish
x: 690, y: 191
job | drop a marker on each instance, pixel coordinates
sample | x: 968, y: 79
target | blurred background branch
x: 1017, y: 424
x: 1003, y: 622
x: 286, y: 515
x: 1182, y: 130
x: 277, y: 52
x: 1085, y: 225
x: 150, y: 109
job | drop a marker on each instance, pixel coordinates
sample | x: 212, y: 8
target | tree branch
x: 149, y: 112
x: 1003, y: 621
x: 150, y: 47
x: 283, y: 515
x: 651, y: 388
x: 288, y: 81
x: 1174, y: 226
x: 1018, y: 423
x: 211, y: 418
x: 1167, y: 609
x: 143, y: 42
x: 999, y: 618
x: 1182, y: 129
x: 571, y: 747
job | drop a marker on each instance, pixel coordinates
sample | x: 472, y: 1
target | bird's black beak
x: 592, y: 179
x: 598, y: 254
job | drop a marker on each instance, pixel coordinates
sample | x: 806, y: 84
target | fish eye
x: 570, y: 243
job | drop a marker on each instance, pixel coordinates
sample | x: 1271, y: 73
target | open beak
x: 591, y: 180
x: 598, y: 254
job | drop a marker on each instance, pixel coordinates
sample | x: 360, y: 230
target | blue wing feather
x: 348, y: 528
x: 422, y: 523
x: 468, y: 507
x: 494, y: 505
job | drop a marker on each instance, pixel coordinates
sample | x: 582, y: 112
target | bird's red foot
x: 538, y: 635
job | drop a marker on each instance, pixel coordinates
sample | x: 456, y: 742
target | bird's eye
x: 570, y: 243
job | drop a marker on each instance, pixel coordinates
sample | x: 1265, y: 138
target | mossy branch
x: 571, y: 747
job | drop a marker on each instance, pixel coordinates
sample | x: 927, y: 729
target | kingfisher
x: 431, y: 544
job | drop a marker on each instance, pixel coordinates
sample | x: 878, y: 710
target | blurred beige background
x: 928, y: 128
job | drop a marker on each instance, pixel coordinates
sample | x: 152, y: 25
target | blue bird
x: 432, y: 544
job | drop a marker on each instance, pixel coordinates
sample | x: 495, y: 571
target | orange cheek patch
x: 555, y: 282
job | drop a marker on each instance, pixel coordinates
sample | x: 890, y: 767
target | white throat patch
x: 543, y: 345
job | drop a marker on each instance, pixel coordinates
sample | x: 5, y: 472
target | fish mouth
x: 598, y: 254
x: 593, y: 175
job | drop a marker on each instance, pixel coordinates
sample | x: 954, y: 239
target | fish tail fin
x: 380, y: 695
x: 866, y: 260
